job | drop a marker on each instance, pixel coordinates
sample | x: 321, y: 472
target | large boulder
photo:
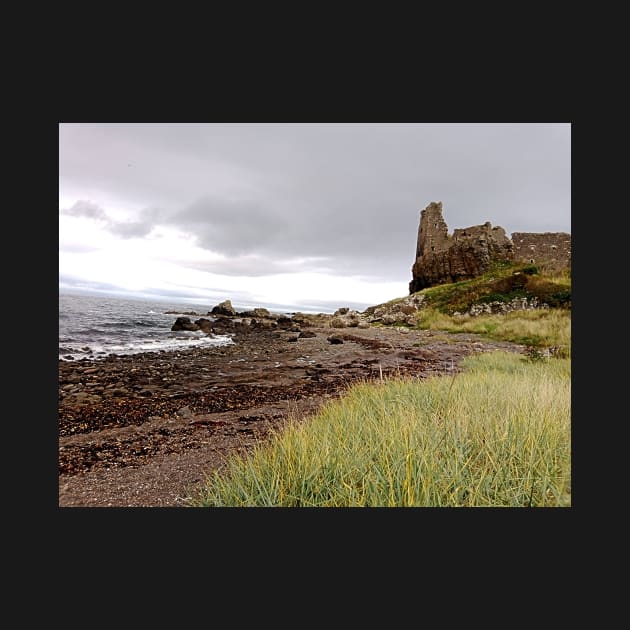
x: 224, y: 308
x: 204, y: 324
x: 338, y: 322
x: 285, y: 322
x: 184, y: 323
x: 259, y: 313
x: 404, y: 311
x: 345, y: 318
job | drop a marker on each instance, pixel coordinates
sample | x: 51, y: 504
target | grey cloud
x: 241, y: 300
x: 350, y: 194
x: 129, y: 229
x: 124, y: 229
x: 365, y: 242
x: 257, y: 266
x: 72, y: 282
x: 210, y: 296
x: 87, y: 209
x: 230, y: 227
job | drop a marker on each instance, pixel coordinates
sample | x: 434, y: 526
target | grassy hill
x: 445, y: 307
x: 503, y: 283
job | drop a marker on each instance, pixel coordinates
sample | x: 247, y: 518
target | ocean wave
x: 94, y: 327
x: 75, y: 352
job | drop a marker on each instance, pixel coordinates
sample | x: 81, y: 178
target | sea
x: 93, y: 327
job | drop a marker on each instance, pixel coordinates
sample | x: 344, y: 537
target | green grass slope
x: 503, y: 283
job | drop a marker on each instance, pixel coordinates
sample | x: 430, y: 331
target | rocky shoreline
x: 145, y: 430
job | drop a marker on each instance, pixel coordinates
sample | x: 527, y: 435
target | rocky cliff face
x: 468, y: 253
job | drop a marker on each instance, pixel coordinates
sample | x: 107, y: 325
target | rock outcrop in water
x: 184, y: 323
x: 225, y: 308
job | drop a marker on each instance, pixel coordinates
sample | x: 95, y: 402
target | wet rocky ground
x: 145, y: 430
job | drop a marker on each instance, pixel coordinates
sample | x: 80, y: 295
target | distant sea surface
x: 95, y: 327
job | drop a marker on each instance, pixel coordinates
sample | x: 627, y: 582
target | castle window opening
x: 531, y: 260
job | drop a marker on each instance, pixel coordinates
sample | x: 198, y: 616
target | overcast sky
x: 309, y: 216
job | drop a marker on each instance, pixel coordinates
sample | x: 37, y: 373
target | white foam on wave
x: 180, y: 342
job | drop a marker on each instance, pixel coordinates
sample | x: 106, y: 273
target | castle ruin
x: 469, y: 252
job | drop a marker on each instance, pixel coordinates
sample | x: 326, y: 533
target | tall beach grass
x: 496, y: 435
x: 538, y: 328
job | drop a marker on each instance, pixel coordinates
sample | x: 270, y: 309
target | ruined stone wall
x: 549, y: 249
x: 480, y: 231
x: 469, y: 252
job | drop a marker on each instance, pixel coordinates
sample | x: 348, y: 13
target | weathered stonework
x: 469, y: 252
x: 501, y: 308
x: 551, y: 248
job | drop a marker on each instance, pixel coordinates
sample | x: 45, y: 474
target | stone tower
x: 468, y: 253
x: 433, y: 231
